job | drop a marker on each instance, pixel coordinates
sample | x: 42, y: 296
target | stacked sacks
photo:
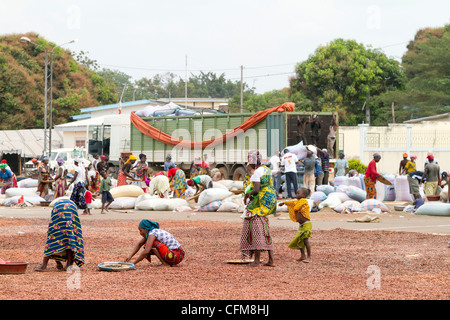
x: 318, y: 196
x: 124, y: 197
x: 341, y: 180
x: 14, y: 196
x: 402, y: 189
x: 356, y: 193
x: 213, y: 194
x: 390, y: 190
x: 355, y: 182
x: 332, y: 201
x: 327, y: 189
x: 155, y: 203
x: 341, y: 195
x: 27, y: 183
x: 232, y: 204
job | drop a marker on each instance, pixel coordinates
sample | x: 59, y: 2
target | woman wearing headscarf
x: 157, y: 242
x: 370, y: 178
x: 43, y: 178
x: 5, y: 177
x: 13, y: 178
x: 125, y: 172
x: 64, y: 237
x: 177, y: 178
x: 142, y: 171
x: 60, y: 179
x: 410, y: 166
x: 262, y: 201
x: 78, y: 181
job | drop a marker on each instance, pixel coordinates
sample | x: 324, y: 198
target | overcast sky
x: 267, y: 37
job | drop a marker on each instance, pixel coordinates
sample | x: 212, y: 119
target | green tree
x: 426, y: 65
x: 346, y: 75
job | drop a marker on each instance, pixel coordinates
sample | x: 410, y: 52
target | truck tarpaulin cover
x: 163, y: 137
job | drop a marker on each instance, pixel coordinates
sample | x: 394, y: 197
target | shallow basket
x: 434, y: 198
x: 45, y: 203
x: 115, y: 266
x: 13, y: 267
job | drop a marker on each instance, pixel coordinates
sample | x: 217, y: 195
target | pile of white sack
x: 348, y: 194
x: 13, y: 197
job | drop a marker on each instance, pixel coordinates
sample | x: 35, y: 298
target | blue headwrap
x: 148, y: 225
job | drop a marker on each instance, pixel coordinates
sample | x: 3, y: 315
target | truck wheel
x: 224, y: 172
x: 239, y: 174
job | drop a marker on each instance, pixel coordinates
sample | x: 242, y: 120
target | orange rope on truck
x: 163, y: 137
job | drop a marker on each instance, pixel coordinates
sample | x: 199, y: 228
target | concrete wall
x: 360, y: 142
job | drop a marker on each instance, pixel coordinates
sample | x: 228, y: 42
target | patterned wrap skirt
x: 255, y: 236
x: 78, y: 195
x: 60, y: 188
x: 179, y: 184
x: 371, y: 191
x: 64, y: 233
x: 304, y: 232
x: 172, y: 257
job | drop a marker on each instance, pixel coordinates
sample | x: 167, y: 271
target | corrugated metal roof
x: 27, y: 142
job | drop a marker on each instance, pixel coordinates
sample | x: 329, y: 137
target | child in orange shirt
x: 299, y: 212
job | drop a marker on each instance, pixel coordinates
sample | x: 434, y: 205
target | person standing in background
x: 309, y: 179
x: 341, y: 165
x: 315, y: 130
x: 319, y: 174
x: 325, y: 159
x: 276, y: 173
x: 432, y: 174
x: 289, y: 162
x: 331, y: 138
x: 403, y: 163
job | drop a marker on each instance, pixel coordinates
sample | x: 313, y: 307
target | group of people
x: 316, y: 170
x: 66, y: 243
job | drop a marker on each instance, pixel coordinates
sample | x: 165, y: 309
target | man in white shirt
x: 289, y: 162
x: 276, y: 173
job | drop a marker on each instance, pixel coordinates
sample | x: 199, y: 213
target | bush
x: 357, y: 165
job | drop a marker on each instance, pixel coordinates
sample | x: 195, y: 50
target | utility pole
x: 185, y: 85
x: 242, y: 89
x: 393, y: 113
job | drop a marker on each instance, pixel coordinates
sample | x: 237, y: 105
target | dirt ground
x: 382, y: 263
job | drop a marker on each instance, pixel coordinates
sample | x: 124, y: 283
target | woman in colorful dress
x: 60, y: 179
x: 94, y: 179
x: 142, y: 171
x: 5, y: 177
x: 44, y: 175
x: 79, y: 182
x: 194, y: 169
x: 157, y: 242
x: 125, y: 171
x: 370, y: 178
x: 13, y: 178
x: 177, y: 178
x: 262, y: 201
x: 64, y: 237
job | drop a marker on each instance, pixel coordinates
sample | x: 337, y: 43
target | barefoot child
x: 299, y: 212
x: 105, y: 186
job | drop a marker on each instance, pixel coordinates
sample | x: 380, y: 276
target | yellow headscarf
x: 130, y: 159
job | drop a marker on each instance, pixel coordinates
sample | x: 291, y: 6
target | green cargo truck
x: 275, y: 132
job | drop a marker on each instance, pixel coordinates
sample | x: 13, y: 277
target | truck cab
x: 68, y: 155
